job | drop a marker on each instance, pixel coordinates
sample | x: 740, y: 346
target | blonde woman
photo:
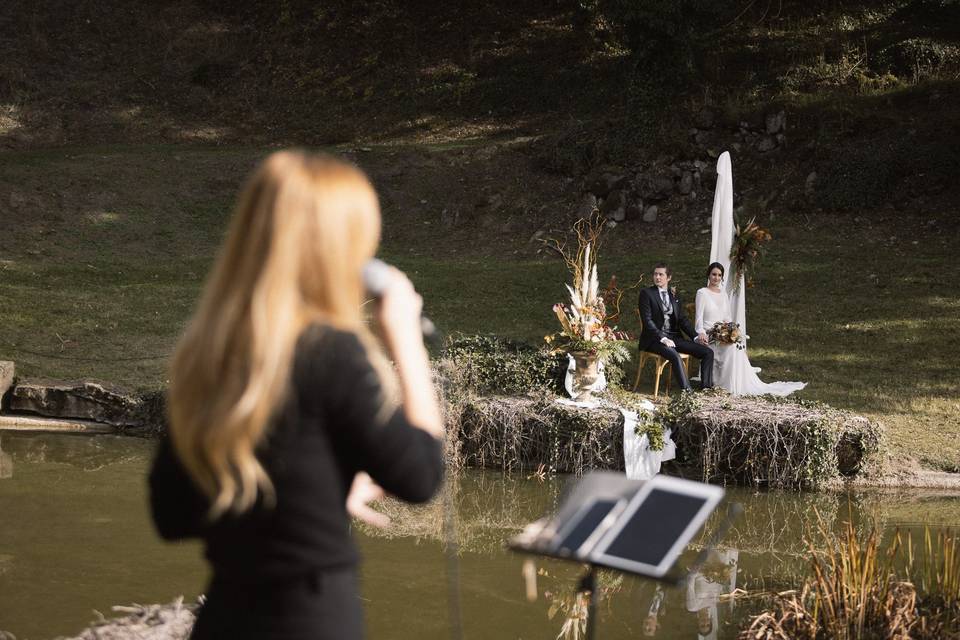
x: 279, y: 403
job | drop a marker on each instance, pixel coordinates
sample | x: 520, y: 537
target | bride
x: 731, y: 367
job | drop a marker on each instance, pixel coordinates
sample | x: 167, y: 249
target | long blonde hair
x: 302, y: 229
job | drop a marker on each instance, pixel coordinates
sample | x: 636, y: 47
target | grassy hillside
x: 868, y: 87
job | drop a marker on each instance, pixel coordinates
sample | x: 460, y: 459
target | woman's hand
x: 363, y: 491
x: 399, y: 313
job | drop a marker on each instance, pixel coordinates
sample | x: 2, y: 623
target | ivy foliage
x: 499, y: 397
x: 490, y: 364
x: 651, y: 423
x: 487, y: 364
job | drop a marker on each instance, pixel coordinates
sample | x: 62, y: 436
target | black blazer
x: 651, y: 317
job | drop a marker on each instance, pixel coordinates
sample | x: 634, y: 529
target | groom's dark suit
x: 652, y: 332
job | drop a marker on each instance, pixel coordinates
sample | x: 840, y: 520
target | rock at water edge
x: 85, y: 400
x: 7, y: 370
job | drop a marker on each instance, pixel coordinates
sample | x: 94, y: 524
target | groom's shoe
x: 706, y: 381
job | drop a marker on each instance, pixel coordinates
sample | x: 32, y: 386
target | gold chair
x: 659, y: 364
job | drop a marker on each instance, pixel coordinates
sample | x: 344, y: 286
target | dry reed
x: 860, y: 590
x: 523, y: 433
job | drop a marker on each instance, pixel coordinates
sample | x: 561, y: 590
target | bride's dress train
x: 731, y: 366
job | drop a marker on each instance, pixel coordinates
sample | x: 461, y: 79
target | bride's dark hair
x: 716, y: 265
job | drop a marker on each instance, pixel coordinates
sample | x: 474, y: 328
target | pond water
x: 75, y: 537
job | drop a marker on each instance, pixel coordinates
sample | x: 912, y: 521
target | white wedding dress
x: 731, y: 366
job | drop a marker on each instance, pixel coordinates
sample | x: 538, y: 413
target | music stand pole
x: 589, y: 583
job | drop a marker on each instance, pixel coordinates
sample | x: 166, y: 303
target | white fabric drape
x: 722, y: 239
x: 640, y: 462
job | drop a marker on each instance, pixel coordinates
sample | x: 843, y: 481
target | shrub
x: 571, y: 151
x: 933, y: 14
x: 662, y: 28
x: 920, y: 58
x: 490, y: 364
x: 494, y: 365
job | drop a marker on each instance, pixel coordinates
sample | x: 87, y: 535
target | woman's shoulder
x: 329, y: 357
x: 321, y: 337
x: 322, y: 332
x: 708, y: 290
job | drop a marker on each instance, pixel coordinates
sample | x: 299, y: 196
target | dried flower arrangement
x: 587, y: 323
x: 747, y: 250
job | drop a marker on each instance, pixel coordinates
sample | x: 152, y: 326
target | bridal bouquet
x: 726, y: 333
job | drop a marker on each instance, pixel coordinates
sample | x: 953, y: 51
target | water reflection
x: 489, y: 507
x: 575, y: 609
x: 6, y: 463
x: 75, y: 536
x: 767, y: 549
x: 705, y: 585
x: 654, y: 612
x: 83, y: 451
x: 702, y: 607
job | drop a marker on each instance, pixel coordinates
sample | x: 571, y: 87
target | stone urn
x: 585, y: 375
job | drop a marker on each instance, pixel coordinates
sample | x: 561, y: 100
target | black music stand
x: 637, y: 526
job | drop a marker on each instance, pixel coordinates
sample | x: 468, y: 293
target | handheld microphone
x: 376, y: 278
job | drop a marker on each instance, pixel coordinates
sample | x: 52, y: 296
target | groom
x: 663, y: 325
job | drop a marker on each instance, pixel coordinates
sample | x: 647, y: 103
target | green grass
x: 103, y: 253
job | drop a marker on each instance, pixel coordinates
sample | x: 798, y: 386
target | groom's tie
x: 663, y: 296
